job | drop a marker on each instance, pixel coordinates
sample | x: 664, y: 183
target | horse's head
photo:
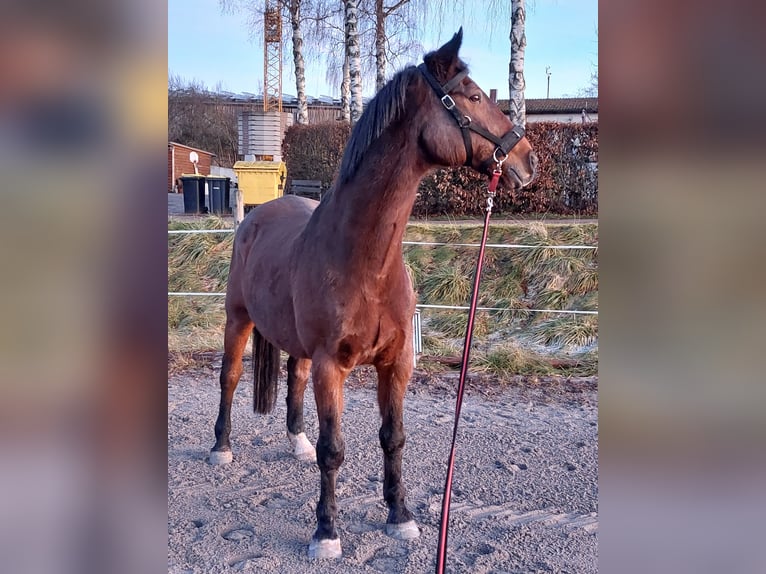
x: 463, y: 126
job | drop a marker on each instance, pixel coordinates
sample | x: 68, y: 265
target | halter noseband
x: 504, y: 144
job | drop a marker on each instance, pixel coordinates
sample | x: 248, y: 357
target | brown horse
x: 326, y: 282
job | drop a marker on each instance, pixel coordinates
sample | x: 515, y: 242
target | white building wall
x: 564, y: 118
x: 223, y: 172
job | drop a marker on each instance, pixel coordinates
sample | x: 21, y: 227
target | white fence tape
x: 426, y: 243
x: 419, y: 306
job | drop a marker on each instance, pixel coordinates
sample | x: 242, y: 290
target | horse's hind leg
x: 297, y: 376
x: 238, y: 329
x: 392, y: 382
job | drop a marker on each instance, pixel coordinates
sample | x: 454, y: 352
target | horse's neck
x: 371, y: 210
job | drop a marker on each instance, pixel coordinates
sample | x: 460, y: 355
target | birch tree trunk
x: 354, y: 57
x: 518, y: 110
x: 345, y: 92
x: 380, y: 45
x: 300, y: 67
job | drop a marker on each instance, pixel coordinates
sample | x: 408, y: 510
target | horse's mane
x: 385, y: 108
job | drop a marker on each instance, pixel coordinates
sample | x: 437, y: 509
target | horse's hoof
x: 303, y: 450
x: 404, y: 531
x: 220, y: 457
x: 327, y: 548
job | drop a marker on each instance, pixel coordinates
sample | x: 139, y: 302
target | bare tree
x: 329, y: 33
x: 497, y: 11
x: 345, y: 92
x: 298, y: 61
x: 351, y: 12
x: 380, y: 44
x: 384, y: 34
x: 591, y: 90
x: 197, y: 118
x: 387, y: 34
x: 516, y: 83
x: 399, y: 21
x: 293, y: 9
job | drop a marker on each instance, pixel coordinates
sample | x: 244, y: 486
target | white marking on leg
x: 303, y: 450
x: 404, y: 531
x: 327, y: 548
x: 220, y: 457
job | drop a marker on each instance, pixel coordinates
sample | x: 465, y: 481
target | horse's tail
x: 265, y: 374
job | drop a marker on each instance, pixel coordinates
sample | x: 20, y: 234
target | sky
x: 216, y: 49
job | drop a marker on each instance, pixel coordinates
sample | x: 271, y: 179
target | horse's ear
x: 441, y: 61
x: 448, y: 52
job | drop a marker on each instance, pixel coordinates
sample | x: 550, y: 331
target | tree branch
x: 388, y: 10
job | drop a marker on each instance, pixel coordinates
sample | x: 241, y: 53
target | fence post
x: 239, y: 207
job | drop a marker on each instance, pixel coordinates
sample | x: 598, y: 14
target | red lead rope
x: 441, y: 557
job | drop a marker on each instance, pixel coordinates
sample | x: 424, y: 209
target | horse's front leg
x: 328, y: 380
x: 392, y: 382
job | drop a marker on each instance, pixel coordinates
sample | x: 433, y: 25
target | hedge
x: 315, y: 151
x: 567, y: 181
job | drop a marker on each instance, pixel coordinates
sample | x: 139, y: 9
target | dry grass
x: 197, y: 263
x: 520, y: 342
x: 511, y: 358
x: 566, y: 332
x: 451, y: 324
x: 448, y: 284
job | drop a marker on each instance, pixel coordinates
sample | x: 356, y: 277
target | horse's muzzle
x: 517, y: 178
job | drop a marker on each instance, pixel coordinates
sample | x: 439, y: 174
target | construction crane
x: 272, y: 57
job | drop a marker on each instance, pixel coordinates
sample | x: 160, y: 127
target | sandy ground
x: 524, y: 498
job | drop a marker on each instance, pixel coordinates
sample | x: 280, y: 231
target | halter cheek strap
x: 504, y: 144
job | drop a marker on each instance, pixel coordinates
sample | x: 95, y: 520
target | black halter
x: 504, y: 144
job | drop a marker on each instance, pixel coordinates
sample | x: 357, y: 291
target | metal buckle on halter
x: 448, y: 102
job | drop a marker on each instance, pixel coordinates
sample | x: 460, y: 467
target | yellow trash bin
x: 260, y: 181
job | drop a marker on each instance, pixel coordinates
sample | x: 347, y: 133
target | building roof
x: 533, y: 105
x: 556, y: 105
x: 248, y: 98
x: 210, y: 153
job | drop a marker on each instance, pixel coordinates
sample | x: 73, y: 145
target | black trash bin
x: 194, y: 193
x: 219, y: 190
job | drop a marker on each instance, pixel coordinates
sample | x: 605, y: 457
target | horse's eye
x: 475, y: 98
